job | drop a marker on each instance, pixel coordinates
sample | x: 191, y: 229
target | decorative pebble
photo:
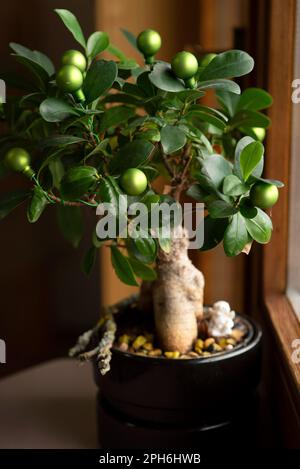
x: 199, y: 344
x: 237, y: 334
x: 222, y: 342
x: 124, y: 346
x: 217, y: 348
x: 139, y: 342
x: 208, y: 342
x: 155, y: 353
x: 229, y: 347
x: 206, y: 354
x: 193, y: 354
x: 175, y: 354
x: 231, y: 342
x: 148, y: 346
x: 125, y: 338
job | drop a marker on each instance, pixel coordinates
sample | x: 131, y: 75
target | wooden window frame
x: 282, y: 318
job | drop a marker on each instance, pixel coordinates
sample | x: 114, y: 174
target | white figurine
x: 221, y: 319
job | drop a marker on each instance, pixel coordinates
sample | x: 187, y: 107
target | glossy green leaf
x: 37, y: 204
x: 60, y: 141
x: 236, y: 236
x: 40, y: 75
x: 228, y: 101
x: 276, y: 183
x: 122, y: 267
x: 220, y: 85
x: 130, y: 37
x: 11, y: 200
x: 254, y: 99
x: 205, y: 116
x: 115, y: 116
x: 109, y: 192
x: 172, y: 139
x: 99, y: 79
x: 72, y: 24
x: 97, y: 42
x: 241, y: 145
x: 34, y: 56
x: 163, y: 78
x: 217, y: 168
x: 233, y: 186
x: 249, y: 118
x: 70, y: 222
x: 196, y: 192
x: 77, y: 181
x: 232, y: 63
x: 220, y: 209
x: 56, y: 110
x: 142, y: 271
x: 250, y: 157
x: 260, y: 227
x: 143, y: 249
x: 214, y: 230
x: 131, y: 155
x: 57, y: 171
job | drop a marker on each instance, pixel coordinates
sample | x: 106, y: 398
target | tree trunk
x: 177, y: 296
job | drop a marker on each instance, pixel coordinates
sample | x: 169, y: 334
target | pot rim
x: 254, y: 337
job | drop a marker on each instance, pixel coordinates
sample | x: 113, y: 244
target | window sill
x: 285, y: 327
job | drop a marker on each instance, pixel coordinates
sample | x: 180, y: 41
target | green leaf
x: 236, y: 236
x: 228, y: 101
x: 109, y: 192
x: 143, y: 249
x: 34, y: 56
x: 56, y: 110
x: 172, y: 139
x: 131, y: 155
x: 130, y: 38
x: 10, y: 201
x: 122, y: 267
x: 250, y: 157
x: 71, y: 22
x: 233, y: 186
x: 276, y: 183
x: 232, y: 63
x: 142, y: 271
x: 99, y: 78
x: 70, y: 223
x: 220, y: 85
x: 89, y: 260
x: 163, y: 78
x: 57, y: 171
x: 254, y: 99
x: 217, y: 168
x: 206, y: 117
x: 242, y: 144
x: 60, y: 141
x: 77, y: 181
x: 115, y: 116
x: 249, y: 118
x: 97, y: 42
x: 112, y: 49
x: 196, y: 192
x: 214, y: 230
x: 41, y: 77
x: 37, y: 204
x: 260, y: 227
x: 221, y: 209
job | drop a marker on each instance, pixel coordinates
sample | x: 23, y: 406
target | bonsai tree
x: 95, y: 130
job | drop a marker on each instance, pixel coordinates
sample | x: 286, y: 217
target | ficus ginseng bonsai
x: 96, y: 129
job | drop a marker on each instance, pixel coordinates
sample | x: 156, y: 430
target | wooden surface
x: 50, y: 406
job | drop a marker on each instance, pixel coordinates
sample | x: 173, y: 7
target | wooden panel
x: 278, y: 154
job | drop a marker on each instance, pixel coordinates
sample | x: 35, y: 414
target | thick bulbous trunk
x: 177, y: 296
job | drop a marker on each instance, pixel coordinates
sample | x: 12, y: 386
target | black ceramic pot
x: 189, y: 396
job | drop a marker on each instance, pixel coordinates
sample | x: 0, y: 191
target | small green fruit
x: 260, y: 133
x: 184, y: 65
x: 74, y: 57
x: 69, y: 78
x: 134, y: 181
x: 264, y: 195
x: 18, y: 159
x: 149, y: 42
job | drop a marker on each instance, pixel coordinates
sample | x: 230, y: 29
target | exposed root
x: 105, y: 330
